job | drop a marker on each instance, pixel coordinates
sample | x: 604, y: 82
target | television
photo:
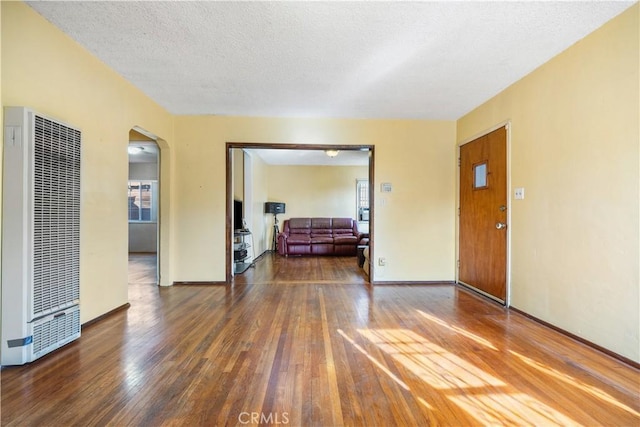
x: 237, y: 215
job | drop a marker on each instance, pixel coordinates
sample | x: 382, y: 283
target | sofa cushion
x: 299, y: 239
x: 343, y: 224
x: 321, y: 223
x: 345, y: 240
x: 321, y: 227
x: 322, y: 239
x: 321, y: 232
x: 342, y: 227
x: 300, y: 225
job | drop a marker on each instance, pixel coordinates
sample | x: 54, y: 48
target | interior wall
x: 44, y: 69
x: 238, y: 174
x: 316, y: 191
x: 143, y: 171
x: 575, y: 149
x: 260, y: 228
x: 416, y: 157
x: 143, y: 237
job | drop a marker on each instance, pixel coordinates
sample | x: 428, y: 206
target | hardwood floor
x: 296, y: 270
x: 142, y: 268
x: 313, y: 347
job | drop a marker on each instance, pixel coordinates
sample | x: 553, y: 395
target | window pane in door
x: 480, y: 175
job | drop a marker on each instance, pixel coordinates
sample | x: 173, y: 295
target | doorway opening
x: 257, y: 200
x: 143, y: 194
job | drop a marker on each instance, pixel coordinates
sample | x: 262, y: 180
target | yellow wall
x: 417, y: 157
x: 238, y: 176
x: 316, y: 191
x: 45, y: 70
x: 575, y: 148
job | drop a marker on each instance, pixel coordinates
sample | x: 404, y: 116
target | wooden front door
x: 483, y: 214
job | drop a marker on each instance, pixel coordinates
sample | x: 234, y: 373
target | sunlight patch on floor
x: 383, y: 368
x: 510, y: 408
x: 483, y: 396
x: 458, y: 330
x: 374, y: 361
x: 594, y: 391
x: 432, y: 363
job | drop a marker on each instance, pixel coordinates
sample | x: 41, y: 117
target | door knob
x: 500, y: 225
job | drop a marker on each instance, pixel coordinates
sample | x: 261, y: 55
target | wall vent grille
x: 56, y: 331
x: 56, y: 251
x: 41, y: 209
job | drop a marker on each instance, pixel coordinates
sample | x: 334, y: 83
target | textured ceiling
x: 421, y: 60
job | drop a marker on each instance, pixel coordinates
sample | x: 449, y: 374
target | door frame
x: 506, y: 124
x: 289, y: 146
x: 162, y: 262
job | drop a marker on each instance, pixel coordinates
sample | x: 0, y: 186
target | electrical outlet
x: 519, y: 193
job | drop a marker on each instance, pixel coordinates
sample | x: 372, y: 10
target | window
x: 480, y: 176
x: 362, y: 200
x: 143, y: 201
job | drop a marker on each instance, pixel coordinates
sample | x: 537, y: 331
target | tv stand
x: 242, y: 259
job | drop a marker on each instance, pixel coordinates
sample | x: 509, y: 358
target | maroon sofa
x: 319, y: 236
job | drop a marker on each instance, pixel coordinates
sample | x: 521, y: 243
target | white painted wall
x: 143, y: 237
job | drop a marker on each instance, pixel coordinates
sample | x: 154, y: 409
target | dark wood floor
x: 317, y: 345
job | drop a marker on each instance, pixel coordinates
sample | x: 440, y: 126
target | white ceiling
x: 417, y: 60
x: 311, y: 157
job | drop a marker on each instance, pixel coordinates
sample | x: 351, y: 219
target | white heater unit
x: 40, y: 236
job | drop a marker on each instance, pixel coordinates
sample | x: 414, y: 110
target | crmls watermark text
x: 272, y: 418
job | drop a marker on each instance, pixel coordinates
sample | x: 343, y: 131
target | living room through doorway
x: 315, y: 200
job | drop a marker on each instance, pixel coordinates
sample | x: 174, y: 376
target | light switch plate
x: 519, y: 193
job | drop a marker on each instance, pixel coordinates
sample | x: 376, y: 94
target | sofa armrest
x: 363, y: 239
x: 282, y: 243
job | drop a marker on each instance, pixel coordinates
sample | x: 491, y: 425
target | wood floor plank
x: 309, y: 342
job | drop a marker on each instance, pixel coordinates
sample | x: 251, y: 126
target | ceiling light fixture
x: 135, y: 149
x: 331, y: 153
